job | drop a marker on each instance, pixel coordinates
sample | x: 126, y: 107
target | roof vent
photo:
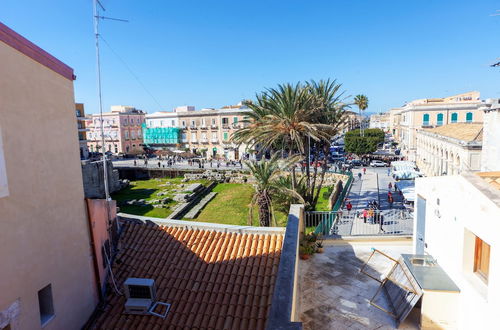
x: 141, y: 298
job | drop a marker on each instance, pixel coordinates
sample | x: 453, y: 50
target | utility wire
x: 132, y: 72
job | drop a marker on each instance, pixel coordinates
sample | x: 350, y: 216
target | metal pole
x: 98, y: 64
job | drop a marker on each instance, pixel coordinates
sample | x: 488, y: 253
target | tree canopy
x: 361, y: 145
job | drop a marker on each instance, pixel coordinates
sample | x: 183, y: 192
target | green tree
x: 362, y: 102
x: 266, y: 174
x: 361, y: 145
x: 299, y: 120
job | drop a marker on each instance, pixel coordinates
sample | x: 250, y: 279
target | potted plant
x: 319, y: 247
x: 304, y: 253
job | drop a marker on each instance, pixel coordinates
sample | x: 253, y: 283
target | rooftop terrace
x: 335, y: 295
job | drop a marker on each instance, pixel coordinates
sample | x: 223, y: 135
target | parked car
x: 377, y: 163
x: 355, y: 162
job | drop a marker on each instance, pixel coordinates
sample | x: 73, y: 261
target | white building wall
x: 463, y: 210
x: 491, y: 141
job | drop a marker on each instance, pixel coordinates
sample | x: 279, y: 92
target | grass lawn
x: 148, y: 189
x: 231, y: 206
x: 322, y: 204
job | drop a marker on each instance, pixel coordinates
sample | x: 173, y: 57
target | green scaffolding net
x: 160, y: 135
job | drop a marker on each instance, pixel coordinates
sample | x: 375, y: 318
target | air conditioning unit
x: 140, y: 294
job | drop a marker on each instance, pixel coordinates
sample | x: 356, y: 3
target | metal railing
x: 323, y: 221
x: 343, y: 223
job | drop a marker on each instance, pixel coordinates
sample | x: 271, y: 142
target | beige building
x: 428, y: 113
x: 46, y: 273
x: 207, y: 130
x: 351, y: 121
x: 381, y: 121
x: 449, y: 149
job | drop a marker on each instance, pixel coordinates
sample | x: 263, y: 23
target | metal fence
x: 322, y: 221
x: 353, y: 223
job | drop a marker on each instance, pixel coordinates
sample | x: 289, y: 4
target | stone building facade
x: 449, y: 149
x: 122, y: 131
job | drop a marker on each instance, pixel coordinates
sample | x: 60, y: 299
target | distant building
x: 381, y: 121
x: 122, y: 131
x: 352, y: 120
x: 428, y: 113
x: 82, y: 130
x: 449, y: 149
x: 207, y: 131
x: 46, y: 272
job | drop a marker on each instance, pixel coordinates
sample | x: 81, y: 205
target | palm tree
x: 294, y: 118
x: 266, y: 174
x: 362, y: 102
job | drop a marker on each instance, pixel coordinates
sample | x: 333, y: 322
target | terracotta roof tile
x: 214, y: 280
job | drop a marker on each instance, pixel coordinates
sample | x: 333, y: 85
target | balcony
x: 194, y: 128
x: 214, y: 126
x: 204, y: 127
x: 215, y: 141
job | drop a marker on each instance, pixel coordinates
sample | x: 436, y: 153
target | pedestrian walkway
x: 364, y: 191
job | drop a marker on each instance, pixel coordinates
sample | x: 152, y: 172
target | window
x: 204, y: 137
x: 426, y: 119
x: 468, y: 117
x: 225, y: 136
x: 183, y: 123
x: 439, y: 119
x: 173, y: 123
x: 116, y: 149
x: 235, y: 120
x: 161, y: 123
x: 225, y: 121
x: 454, y: 117
x: 193, y: 137
x: 213, y: 122
x: 125, y: 122
x: 203, y: 122
x: 482, y: 259
x: 126, y: 135
x: 214, y: 137
x: 46, y: 305
x: 133, y: 146
x: 133, y: 135
x: 184, y: 137
x: 78, y: 113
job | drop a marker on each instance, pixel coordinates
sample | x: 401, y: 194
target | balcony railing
x: 214, y: 126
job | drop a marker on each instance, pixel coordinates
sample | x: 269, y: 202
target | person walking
x: 364, y: 170
x: 391, y: 201
x: 348, y: 207
x: 389, y: 171
x: 359, y: 175
x: 365, y: 215
x: 371, y: 214
x: 390, y: 186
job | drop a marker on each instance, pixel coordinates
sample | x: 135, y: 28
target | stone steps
x: 193, y: 213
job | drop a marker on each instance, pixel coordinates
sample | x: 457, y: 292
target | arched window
x: 425, y: 121
x: 440, y: 119
x: 454, y: 117
x: 468, y: 117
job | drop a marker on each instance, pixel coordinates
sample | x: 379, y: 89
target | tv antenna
x: 97, y: 4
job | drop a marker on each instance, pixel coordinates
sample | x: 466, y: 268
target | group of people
x: 169, y: 161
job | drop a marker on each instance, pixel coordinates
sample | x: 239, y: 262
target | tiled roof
x: 214, y: 280
x: 492, y: 178
x: 461, y: 131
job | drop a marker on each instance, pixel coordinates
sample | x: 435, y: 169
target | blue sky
x: 214, y: 53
